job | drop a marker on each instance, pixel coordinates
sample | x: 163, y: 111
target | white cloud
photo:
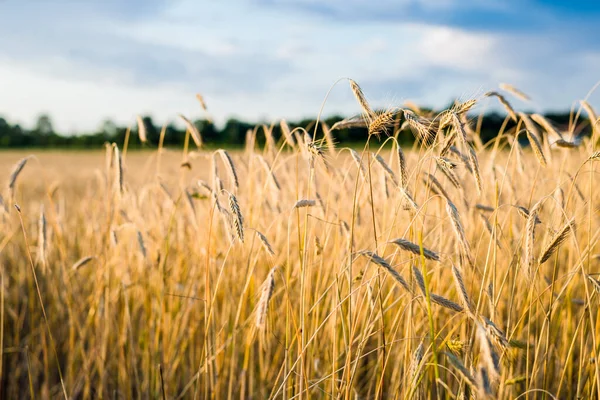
x: 256, y: 61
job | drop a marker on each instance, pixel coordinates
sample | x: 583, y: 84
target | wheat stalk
x: 403, y: 168
x: 436, y: 299
x: 461, y: 369
x: 265, y: 243
x: 268, y: 287
x: 359, y: 164
x: 42, y: 237
x: 118, y: 165
x: 386, y: 168
x: 374, y: 258
x: 305, y: 203
x: 536, y: 146
x: 511, y: 89
x: 556, y: 241
x: 459, y: 231
x: 490, y: 358
x: 505, y: 103
x: 201, y: 101
x: 544, y: 123
x: 462, y: 291
x: 419, y: 126
x: 415, y: 249
x: 446, y: 166
x: 194, y: 133
x: 16, y: 170
x: 362, y: 100
x: 381, y: 123
x: 525, y: 213
x: 238, y: 219
x: 435, y: 185
x: 81, y: 262
x: 141, y: 129
x: 532, y: 221
x: 233, y: 177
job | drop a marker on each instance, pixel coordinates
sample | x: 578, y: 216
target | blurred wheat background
x: 300, y: 269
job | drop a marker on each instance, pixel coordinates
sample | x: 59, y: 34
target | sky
x: 84, y: 61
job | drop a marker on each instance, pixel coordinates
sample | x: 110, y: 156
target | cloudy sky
x: 83, y: 61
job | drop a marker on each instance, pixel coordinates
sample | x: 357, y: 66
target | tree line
x: 231, y: 134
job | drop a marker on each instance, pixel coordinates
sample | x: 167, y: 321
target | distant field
x: 447, y: 271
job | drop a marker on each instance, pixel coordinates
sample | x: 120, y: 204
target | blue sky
x: 84, y: 61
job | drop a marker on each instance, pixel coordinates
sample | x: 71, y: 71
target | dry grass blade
x: 415, y: 249
x: 556, y: 241
x: 193, y: 131
x: 374, y: 258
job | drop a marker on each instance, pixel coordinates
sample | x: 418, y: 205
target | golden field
x: 452, y: 269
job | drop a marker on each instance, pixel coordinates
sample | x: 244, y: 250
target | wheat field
x: 302, y: 269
